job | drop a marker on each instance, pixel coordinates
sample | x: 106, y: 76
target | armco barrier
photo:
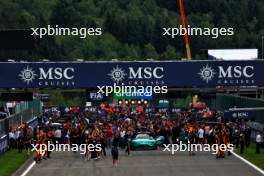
x: 2, y: 127
x: 3, y: 143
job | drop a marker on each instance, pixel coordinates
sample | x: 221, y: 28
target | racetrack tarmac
x: 143, y: 163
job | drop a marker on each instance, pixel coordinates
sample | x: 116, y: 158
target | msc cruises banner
x: 92, y: 74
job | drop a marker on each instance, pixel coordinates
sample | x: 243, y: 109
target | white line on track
x: 248, y: 163
x: 28, y: 168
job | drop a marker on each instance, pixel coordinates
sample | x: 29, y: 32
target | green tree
x: 150, y: 52
x: 171, y: 54
x: 57, y: 98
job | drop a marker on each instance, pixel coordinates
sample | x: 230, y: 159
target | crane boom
x: 186, y: 40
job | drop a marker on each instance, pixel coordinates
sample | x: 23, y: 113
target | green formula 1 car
x: 145, y: 141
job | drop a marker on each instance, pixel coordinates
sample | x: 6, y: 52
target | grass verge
x: 11, y: 161
x: 250, y: 155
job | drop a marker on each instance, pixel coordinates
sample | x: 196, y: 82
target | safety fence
x: 24, y: 112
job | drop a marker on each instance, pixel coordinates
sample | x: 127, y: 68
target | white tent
x: 233, y: 54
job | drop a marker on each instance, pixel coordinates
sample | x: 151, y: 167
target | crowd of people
x: 21, y: 138
x: 112, y: 127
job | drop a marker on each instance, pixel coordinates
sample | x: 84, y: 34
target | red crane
x: 186, y: 40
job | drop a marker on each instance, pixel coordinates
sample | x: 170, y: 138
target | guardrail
x: 3, y: 143
x: 2, y: 127
x: 26, y: 112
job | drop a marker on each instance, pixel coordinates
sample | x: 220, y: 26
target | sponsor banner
x: 162, y: 109
x: 133, y: 97
x: 44, y: 97
x: 156, y: 109
x: 150, y: 109
x: 93, y: 74
x: 95, y: 96
x: 137, y: 94
x: 239, y: 115
x: 91, y: 109
x: 175, y: 110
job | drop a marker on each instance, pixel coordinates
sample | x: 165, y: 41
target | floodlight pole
x: 186, y: 40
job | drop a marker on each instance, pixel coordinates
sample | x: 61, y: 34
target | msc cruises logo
x: 229, y: 74
x: 117, y: 74
x: 27, y: 75
x: 207, y: 73
x: 138, y: 75
x: 48, y: 77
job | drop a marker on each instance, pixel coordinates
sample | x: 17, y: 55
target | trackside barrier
x: 25, y: 112
x: 3, y: 144
x: 224, y: 102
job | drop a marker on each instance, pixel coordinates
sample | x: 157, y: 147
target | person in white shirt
x: 201, y: 135
x: 57, y: 135
x: 258, y: 142
x: 17, y: 134
x: 11, y: 135
x: 67, y: 137
x: 12, y: 139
